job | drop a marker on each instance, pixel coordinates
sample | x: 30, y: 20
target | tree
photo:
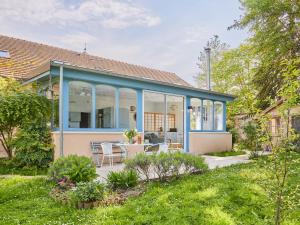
x: 217, y: 47
x: 233, y: 73
x: 19, y: 106
x: 275, y: 29
x: 283, y: 196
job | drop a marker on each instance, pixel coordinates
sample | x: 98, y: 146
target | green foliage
x: 141, y: 163
x: 252, y: 138
x: 217, y: 48
x: 231, y: 195
x: 33, y: 146
x: 87, y: 192
x: 227, y: 153
x: 130, y: 134
x: 282, y: 147
x: 275, y: 29
x: 11, y: 166
x: 166, y: 165
x: 19, y: 107
x: 74, y: 167
x: 122, y: 180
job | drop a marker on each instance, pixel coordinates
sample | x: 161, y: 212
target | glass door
x: 164, y: 119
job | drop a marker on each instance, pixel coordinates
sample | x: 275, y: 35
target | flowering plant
x: 130, y: 134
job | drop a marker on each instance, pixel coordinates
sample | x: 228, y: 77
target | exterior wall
x: 200, y: 142
x: 78, y: 143
x: 205, y: 142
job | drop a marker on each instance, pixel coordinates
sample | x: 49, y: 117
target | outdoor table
x: 124, y: 146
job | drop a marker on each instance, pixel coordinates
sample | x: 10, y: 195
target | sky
x: 162, y: 34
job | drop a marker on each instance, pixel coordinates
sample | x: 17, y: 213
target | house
x: 277, y: 125
x: 95, y: 99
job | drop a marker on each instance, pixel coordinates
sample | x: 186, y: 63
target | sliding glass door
x: 164, y: 119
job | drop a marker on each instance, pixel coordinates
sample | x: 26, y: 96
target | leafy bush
x: 252, y: 140
x: 141, y: 163
x: 11, y: 166
x: 165, y: 165
x: 162, y: 165
x: 193, y: 163
x: 76, y: 168
x: 87, y: 192
x: 33, y: 146
x: 122, y: 180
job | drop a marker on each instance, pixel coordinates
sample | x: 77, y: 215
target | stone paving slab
x: 212, y: 161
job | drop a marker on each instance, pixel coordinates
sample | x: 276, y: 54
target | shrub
x: 166, y: 165
x: 141, y: 163
x: 87, y: 192
x: 193, y: 163
x: 162, y: 165
x: 33, y: 146
x: 122, y: 180
x: 76, y: 168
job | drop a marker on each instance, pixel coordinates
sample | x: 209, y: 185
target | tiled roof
x: 26, y: 56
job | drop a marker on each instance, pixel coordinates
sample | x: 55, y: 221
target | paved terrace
x: 212, y: 161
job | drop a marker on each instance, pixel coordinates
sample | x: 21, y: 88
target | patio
x: 212, y: 161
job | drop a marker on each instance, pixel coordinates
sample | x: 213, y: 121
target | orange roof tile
x: 27, y: 56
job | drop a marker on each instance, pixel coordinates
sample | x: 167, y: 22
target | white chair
x: 107, y: 152
x: 163, y: 147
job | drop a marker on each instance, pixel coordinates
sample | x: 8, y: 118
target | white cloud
x: 108, y: 13
x: 195, y: 34
x: 75, y: 41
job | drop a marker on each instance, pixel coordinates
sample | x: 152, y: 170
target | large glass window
x: 207, y: 115
x: 154, y: 119
x: 164, y: 119
x: 127, y: 108
x: 195, y: 116
x: 105, y: 106
x: 218, y: 114
x: 80, y: 104
x: 174, y: 121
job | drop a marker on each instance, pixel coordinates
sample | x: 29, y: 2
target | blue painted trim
x: 139, y: 111
x: 137, y: 84
x: 65, y: 98
x: 93, y: 119
x: 117, y: 125
x: 213, y: 115
x: 202, y: 114
x: 188, y: 124
x: 224, y: 116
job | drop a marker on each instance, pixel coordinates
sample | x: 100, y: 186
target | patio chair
x: 107, y: 152
x: 95, y: 148
x: 163, y: 147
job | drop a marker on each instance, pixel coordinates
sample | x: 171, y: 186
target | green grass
x: 225, y: 196
x: 228, y: 153
x: 9, y: 167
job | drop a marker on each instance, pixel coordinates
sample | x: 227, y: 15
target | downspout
x: 61, y: 122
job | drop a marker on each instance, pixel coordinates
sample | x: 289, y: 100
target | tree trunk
x: 278, y: 210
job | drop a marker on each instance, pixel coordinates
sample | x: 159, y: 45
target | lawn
x: 227, y: 153
x: 224, y: 196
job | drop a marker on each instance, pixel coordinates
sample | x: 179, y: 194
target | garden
x: 231, y: 195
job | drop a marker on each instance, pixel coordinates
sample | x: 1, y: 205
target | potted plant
x: 87, y: 194
x: 130, y: 134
